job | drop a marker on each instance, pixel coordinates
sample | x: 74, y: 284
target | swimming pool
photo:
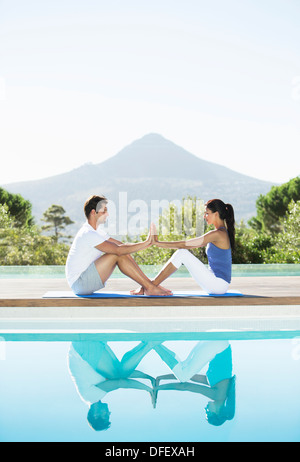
x: 40, y: 401
x: 54, y: 272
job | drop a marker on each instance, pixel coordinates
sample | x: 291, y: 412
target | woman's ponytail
x: 230, y: 222
x: 226, y: 213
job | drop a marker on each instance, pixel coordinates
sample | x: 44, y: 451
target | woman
x: 219, y: 244
x: 218, y: 384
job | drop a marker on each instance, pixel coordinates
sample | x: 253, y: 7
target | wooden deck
x: 258, y: 291
x: 270, y: 304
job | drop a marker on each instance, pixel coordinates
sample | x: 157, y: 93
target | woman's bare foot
x: 155, y: 290
x: 137, y: 291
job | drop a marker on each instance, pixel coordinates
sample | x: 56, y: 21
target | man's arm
x: 115, y: 241
x: 142, y: 375
x: 119, y: 249
x: 115, y: 384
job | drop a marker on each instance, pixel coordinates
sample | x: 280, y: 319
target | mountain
x: 151, y: 168
x: 155, y: 157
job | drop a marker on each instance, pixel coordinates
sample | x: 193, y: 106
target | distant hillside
x: 150, y: 168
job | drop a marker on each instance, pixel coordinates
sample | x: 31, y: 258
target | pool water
x: 58, y: 272
x: 40, y: 398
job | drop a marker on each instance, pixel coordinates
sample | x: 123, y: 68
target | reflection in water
x: 96, y: 371
x: 218, y: 383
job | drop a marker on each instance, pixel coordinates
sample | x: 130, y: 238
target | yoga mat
x: 125, y: 294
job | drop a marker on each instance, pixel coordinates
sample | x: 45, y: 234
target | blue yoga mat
x: 124, y: 294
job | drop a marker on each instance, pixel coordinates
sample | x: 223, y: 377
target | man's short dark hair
x: 91, y: 204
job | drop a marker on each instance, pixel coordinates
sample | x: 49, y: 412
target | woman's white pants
x: 202, y: 354
x: 204, y: 277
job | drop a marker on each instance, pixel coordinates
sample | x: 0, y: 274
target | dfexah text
x: 151, y: 451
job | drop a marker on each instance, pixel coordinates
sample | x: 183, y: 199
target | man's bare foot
x: 157, y: 290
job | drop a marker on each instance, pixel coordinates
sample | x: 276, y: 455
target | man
x: 94, y: 255
x: 96, y: 371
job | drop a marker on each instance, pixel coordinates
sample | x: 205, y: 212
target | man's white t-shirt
x: 83, y: 252
x: 85, y: 378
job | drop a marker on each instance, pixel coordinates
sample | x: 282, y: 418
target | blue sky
x: 79, y: 80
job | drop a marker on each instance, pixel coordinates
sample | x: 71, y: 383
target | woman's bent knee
x: 179, y: 257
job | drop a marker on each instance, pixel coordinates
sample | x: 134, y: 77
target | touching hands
x: 152, y: 238
x: 153, y: 232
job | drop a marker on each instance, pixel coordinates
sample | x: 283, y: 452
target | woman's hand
x: 150, y: 237
x: 153, y: 232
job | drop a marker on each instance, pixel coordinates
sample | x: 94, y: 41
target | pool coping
x: 260, y: 300
x: 266, y: 302
x: 130, y: 322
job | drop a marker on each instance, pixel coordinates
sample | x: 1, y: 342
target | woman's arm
x: 164, y: 377
x: 171, y: 244
x: 194, y: 243
x: 192, y: 387
x: 201, y: 241
x: 199, y: 378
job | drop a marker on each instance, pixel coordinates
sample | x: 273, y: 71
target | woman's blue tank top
x: 219, y: 261
x: 220, y: 368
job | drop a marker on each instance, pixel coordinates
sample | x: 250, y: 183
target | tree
x: 287, y: 243
x: 57, y: 221
x: 19, y: 208
x: 26, y: 246
x: 274, y: 205
x: 251, y: 246
x: 177, y: 222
